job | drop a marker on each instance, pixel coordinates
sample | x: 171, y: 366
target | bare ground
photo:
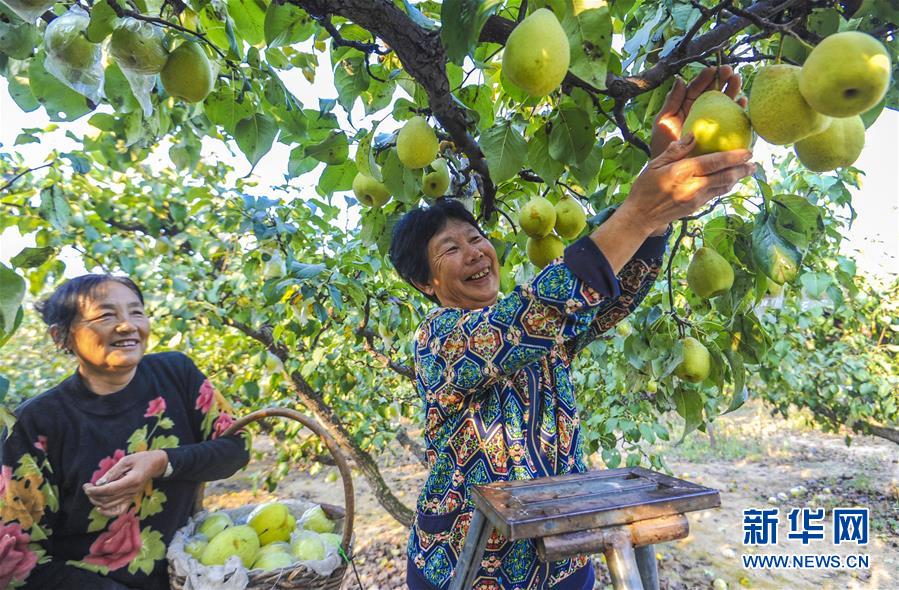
x: 756, y: 461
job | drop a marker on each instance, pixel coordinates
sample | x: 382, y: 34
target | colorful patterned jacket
x: 499, y: 405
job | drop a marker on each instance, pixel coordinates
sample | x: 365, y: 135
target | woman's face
x: 110, y: 331
x: 464, y: 267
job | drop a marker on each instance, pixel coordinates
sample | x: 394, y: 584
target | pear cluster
x: 539, y: 218
x: 817, y: 107
x: 270, y: 539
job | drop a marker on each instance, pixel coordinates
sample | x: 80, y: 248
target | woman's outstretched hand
x: 674, y: 185
x: 670, y: 120
x: 114, y: 492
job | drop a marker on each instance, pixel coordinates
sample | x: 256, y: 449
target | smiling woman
x: 102, y: 469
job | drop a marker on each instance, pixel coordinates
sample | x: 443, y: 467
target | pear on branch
x: 537, y: 54
x: 188, y: 74
x: 845, y: 74
x: 369, y: 191
x: 777, y: 110
x: 697, y: 362
x: 570, y: 218
x: 542, y: 251
x: 709, y: 274
x: 416, y: 143
x: 838, y: 146
x: 718, y: 123
x: 537, y: 218
x: 435, y: 183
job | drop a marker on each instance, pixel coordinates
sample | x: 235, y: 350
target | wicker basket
x: 299, y: 576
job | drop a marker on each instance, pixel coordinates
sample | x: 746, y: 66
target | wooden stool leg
x: 470, y: 561
x: 622, y: 562
x: 646, y: 563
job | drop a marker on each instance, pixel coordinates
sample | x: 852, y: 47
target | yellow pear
x: 542, y: 251
x: 369, y: 191
x: 838, y: 146
x: 709, y: 274
x: 416, y: 143
x: 537, y: 217
x: 537, y: 54
x: 777, y: 110
x: 697, y: 362
x: 434, y: 184
x: 845, y: 74
x: 718, y: 123
x: 187, y: 73
x: 570, y: 218
x: 138, y: 47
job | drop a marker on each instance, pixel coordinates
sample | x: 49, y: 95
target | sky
x: 873, y: 240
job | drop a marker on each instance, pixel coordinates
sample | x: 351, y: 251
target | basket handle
x: 336, y: 453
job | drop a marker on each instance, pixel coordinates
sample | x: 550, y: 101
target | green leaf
x: 167, y: 441
x: 32, y: 257
x: 54, y: 208
x: 103, y: 18
x: 12, y: 291
x: 738, y: 373
x: 299, y: 163
x: 404, y: 184
x: 572, y: 135
x: 748, y: 338
x: 249, y: 19
x: 138, y: 440
x: 815, y: 284
x: 505, y: 150
x: 18, y: 39
x: 797, y: 220
x: 350, y: 80
x: 224, y: 107
x: 7, y: 420
x: 19, y: 85
x: 461, y: 24
x: 333, y: 150
x: 301, y: 270
x: 286, y: 24
x: 4, y: 387
x: 61, y: 102
x: 255, y: 135
x: 776, y: 257
x: 539, y: 158
x: 688, y: 404
x: 590, y: 38
x: 869, y: 116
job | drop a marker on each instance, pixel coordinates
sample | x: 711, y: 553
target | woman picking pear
x: 495, y: 372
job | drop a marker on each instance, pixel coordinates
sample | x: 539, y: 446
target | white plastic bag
x: 29, y: 10
x: 140, y: 59
x: 71, y: 58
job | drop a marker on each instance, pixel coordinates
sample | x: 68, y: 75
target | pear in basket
x: 272, y: 522
x: 273, y: 560
x: 332, y: 539
x: 236, y: 540
x: 315, y: 519
x: 214, y: 524
x: 308, y: 547
x: 194, y: 545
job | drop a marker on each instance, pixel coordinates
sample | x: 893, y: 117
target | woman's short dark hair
x: 61, y: 308
x: 411, y: 234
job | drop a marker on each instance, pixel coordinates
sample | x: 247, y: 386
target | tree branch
x: 424, y: 58
x: 13, y: 180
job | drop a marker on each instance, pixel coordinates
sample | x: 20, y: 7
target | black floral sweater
x: 51, y: 536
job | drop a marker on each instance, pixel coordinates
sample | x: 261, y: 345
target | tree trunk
x: 890, y: 434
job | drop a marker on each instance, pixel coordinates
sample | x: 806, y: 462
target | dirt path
x: 757, y: 462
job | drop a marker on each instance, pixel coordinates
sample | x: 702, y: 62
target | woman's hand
x: 670, y: 120
x: 114, y: 492
x: 673, y: 185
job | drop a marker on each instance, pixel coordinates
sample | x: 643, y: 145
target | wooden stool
x: 621, y: 512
